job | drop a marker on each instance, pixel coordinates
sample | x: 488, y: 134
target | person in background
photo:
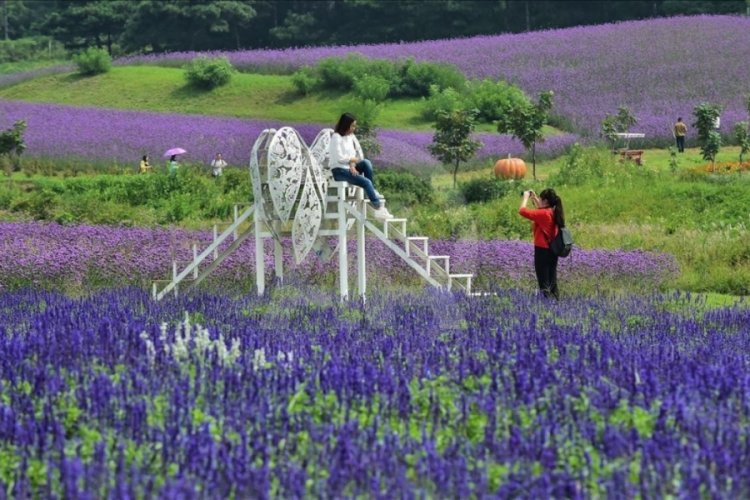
x: 172, y: 166
x: 347, y: 163
x: 547, y: 218
x: 680, y: 130
x: 217, y: 165
x: 145, y: 166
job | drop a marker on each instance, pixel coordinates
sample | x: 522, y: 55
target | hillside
x: 660, y: 68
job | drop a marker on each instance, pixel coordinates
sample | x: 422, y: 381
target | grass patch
x: 257, y: 96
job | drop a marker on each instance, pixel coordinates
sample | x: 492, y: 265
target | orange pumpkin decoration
x: 510, y: 168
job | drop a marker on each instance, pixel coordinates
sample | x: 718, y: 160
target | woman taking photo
x: 547, y: 218
x: 348, y: 164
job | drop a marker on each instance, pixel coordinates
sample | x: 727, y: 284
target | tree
x: 525, y: 122
x: 173, y: 25
x: 742, y: 137
x: 614, y: 124
x: 89, y: 23
x: 706, y: 116
x: 11, y: 142
x: 452, y: 142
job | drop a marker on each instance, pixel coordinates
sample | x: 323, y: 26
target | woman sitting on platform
x: 347, y: 163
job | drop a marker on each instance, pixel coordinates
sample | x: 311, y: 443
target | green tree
x: 12, y: 144
x: 525, y: 122
x: 167, y: 25
x: 98, y: 23
x: 614, y: 124
x: 452, y: 142
x: 742, y: 137
x: 706, y: 115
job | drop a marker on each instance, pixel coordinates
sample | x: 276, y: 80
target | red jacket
x: 543, y: 227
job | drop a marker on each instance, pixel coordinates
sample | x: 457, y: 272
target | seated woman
x: 145, y: 166
x: 347, y: 163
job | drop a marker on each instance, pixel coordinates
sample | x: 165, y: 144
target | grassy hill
x: 271, y: 97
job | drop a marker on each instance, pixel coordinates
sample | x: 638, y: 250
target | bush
x: 205, y: 73
x: 31, y: 48
x: 482, y: 189
x: 93, y: 61
x: 305, y: 80
x: 404, y: 188
x: 494, y: 99
x: 338, y: 74
x: 446, y: 100
x: 417, y: 78
x: 596, y: 167
x: 371, y: 87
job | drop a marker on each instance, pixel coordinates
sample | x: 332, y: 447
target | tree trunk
x: 5, y: 18
x: 455, y: 172
x: 528, y: 16
x: 533, y: 159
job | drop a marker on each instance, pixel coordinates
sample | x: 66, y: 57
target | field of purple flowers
x: 435, y: 395
x: 80, y: 257
x: 106, y: 135
x: 660, y: 68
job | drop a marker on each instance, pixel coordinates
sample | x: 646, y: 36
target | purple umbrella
x: 174, y: 151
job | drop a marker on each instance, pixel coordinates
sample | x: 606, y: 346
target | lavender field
x: 81, y: 257
x: 435, y: 395
x: 106, y: 135
x: 660, y: 68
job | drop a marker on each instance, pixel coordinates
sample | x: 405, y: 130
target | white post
x: 234, y: 233
x: 260, y: 268
x: 343, y: 257
x: 216, y: 235
x: 361, y: 264
x: 195, y: 258
x: 174, y: 276
x: 278, y: 255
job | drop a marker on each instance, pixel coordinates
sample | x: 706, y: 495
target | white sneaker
x: 378, y: 195
x: 382, y: 213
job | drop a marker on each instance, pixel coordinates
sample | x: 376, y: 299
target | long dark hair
x: 555, y: 204
x: 342, y: 126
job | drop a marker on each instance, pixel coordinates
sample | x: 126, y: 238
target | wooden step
x: 389, y: 222
x: 459, y: 276
x: 416, y: 239
x: 432, y: 258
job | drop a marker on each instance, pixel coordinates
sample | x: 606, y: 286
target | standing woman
x: 347, y: 163
x: 548, y: 217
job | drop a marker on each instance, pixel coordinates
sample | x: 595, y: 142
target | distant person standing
x: 145, y: 166
x: 172, y: 165
x: 680, y: 130
x: 217, y: 165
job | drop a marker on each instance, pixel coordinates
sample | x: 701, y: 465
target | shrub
x: 31, y: 48
x: 93, y: 61
x: 371, y: 87
x: 480, y: 190
x: 442, y: 101
x: 416, y: 78
x: 596, y: 167
x: 305, y: 80
x: 404, y: 188
x: 495, y: 99
x: 337, y: 73
x: 206, y: 73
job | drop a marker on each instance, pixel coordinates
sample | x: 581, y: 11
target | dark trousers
x: 680, y: 143
x: 545, y: 265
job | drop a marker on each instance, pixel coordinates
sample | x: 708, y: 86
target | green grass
x: 270, y: 97
x: 153, y: 88
x: 15, y: 67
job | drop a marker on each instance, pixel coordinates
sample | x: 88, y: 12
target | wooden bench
x: 632, y: 154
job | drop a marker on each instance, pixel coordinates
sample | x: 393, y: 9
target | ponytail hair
x: 555, y: 204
